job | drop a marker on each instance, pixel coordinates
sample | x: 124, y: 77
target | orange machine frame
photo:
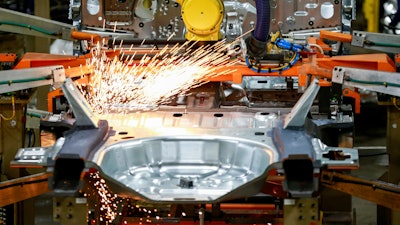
x: 314, y: 64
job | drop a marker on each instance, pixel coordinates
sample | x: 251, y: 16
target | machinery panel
x: 141, y: 19
x: 150, y: 19
x: 290, y: 15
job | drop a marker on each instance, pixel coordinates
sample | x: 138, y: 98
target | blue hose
x: 261, y: 30
x: 283, y: 44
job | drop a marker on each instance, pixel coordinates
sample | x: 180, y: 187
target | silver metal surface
x: 22, y: 23
x: 216, y: 155
x: 187, y: 168
x: 298, y: 114
x: 37, y: 156
x: 362, y: 38
x: 349, y: 155
x: 20, y: 79
x: 257, y: 82
x: 358, y: 39
x: 338, y: 75
x: 292, y: 15
x: 372, y: 80
x: 349, y: 13
x: 178, y: 155
x: 84, y: 115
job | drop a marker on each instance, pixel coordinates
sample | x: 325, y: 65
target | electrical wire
x: 382, y: 44
x: 293, y: 60
x: 10, y: 82
x: 318, y: 47
x: 13, y: 110
x: 381, y: 83
x: 282, y: 44
x: 28, y: 26
x: 31, y: 137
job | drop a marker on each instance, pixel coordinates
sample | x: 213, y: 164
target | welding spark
x: 113, y: 208
x: 108, y: 207
x: 144, y: 84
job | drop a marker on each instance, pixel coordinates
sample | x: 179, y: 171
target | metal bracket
x: 301, y: 211
x: 20, y: 79
x: 358, y: 39
x: 298, y: 114
x: 82, y: 110
x: 335, y: 157
x: 375, y: 41
x: 373, y: 80
x: 37, y: 156
x: 338, y: 75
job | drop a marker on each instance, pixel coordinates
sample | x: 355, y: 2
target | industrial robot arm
x: 202, y: 19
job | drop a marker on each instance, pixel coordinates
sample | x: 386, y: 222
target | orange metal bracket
x: 8, y: 57
x: 78, y: 35
x: 335, y: 36
x: 53, y: 94
x: 356, y: 96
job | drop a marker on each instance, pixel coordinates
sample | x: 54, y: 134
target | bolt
x: 13, y: 123
x: 290, y: 20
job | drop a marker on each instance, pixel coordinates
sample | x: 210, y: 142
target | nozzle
x: 255, y: 48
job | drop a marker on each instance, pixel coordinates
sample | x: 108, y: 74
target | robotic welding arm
x: 202, y: 19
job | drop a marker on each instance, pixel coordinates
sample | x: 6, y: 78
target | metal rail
x: 381, y: 193
x: 23, y: 188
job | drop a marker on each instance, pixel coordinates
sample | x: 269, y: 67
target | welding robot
x: 255, y: 145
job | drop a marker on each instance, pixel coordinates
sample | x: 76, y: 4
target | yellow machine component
x: 202, y: 19
x: 371, y: 13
